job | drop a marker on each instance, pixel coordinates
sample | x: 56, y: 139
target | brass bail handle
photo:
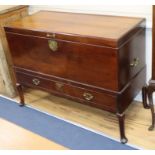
x: 88, y: 96
x: 36, y: 81
x: 135, y: 62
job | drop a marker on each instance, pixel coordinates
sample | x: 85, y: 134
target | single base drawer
x: 105, y: 100
x: 97, y: 99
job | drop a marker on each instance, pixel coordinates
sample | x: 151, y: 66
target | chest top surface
x: 111, y: 27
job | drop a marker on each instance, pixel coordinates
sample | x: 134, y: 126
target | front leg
x: 150, y: 97
x: 21, y: 94
x: 144, y: 97
x: 121, y: 118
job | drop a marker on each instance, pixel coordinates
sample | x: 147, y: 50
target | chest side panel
x: 131, y: 57
x: 84, y: 63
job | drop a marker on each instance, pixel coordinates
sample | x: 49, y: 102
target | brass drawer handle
x: 36, y: 82
x: 135, y: 62
x: 53, y: 45
x: 88, y: 96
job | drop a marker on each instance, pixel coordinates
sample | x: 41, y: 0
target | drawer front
x: 34, y: 81
x: 89, y: 64
x: 92, y: 98
x: 97, y: 99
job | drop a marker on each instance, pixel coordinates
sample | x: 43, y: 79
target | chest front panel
x: 83, y: 63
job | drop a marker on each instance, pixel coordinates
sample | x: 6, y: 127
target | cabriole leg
x: 21, y: 94
x: 150, y: 97
x: 121, y: 118
x: 144, y: 97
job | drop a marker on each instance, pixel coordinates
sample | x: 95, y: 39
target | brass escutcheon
x: 53, y: 45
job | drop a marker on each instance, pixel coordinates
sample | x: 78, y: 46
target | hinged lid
x: 101, y: 30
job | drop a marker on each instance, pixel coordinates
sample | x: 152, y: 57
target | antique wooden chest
x: 92, y: 59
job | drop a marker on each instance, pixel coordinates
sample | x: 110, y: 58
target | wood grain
x: 9, y: 14
x: 19, y: 138
x: 111, y: 27
x: 137, y: 118
x: 92, y: 55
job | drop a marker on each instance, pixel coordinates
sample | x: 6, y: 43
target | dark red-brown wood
x: 148, y: 90
x: 153, y: 43
x: 96, y: 62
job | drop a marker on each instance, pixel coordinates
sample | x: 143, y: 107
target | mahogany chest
x: 93, y: 59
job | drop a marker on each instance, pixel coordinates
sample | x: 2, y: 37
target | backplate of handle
x: 135, y: 62
x: 59, y: 86
x: 36, y: 81
x: 88, y: 96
